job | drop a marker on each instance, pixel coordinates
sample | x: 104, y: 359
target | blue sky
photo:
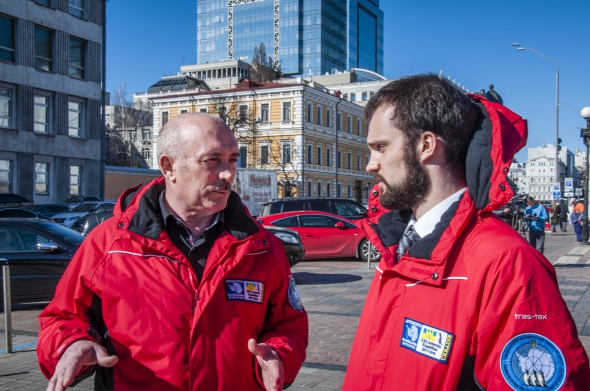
x: 468, y: 40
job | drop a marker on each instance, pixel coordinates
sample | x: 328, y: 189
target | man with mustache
x: 182, y: 289
x: 460, y: 301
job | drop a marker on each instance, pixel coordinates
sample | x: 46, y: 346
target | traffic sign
x: 556, y: 195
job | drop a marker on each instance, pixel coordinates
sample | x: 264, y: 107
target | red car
x: 325, y: 235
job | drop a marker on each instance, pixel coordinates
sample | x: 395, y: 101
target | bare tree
x: 261, y: 68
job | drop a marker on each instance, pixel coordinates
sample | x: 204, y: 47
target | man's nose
x: 227, y: 173
x: 373, y: 165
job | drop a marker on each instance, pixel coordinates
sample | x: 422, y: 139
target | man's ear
x: 430, y: 149
x: 167, y: 168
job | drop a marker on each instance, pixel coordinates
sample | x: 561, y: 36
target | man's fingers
x: 51, y: 384
x: 102, y: 357
x: 260, y: 350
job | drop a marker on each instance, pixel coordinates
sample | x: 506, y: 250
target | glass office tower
x: 303, y: 36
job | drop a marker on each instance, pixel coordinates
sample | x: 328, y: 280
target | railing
x: 7, y: 304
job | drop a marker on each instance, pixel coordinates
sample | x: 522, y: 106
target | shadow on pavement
x: 305, y: 278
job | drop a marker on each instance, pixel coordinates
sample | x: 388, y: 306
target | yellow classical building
x: 314, y: 139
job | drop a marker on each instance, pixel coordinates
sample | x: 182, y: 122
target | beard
x: 411, y: 191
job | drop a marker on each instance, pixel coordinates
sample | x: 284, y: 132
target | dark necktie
x: 408, y: 239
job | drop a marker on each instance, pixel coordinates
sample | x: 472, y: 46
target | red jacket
x: 129, y: 288
x: 471, y: 306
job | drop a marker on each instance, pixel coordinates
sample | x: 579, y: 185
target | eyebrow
x: 377, y: 142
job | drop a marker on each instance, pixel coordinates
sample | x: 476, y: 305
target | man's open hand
x: 78, y: 355
x: 273, y: 374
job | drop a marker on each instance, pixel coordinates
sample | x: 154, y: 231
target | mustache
x: 223, y: 186
x: 379, y: 178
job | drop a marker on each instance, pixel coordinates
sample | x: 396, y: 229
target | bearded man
x: 460, y: 301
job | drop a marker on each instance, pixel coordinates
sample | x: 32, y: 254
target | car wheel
x: 365, y: 247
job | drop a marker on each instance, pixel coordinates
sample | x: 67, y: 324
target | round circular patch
x: 294, y: 296
x: 531, y: 361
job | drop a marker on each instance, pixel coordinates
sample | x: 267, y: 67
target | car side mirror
x: 363, y: 214
x: 48, y: 247
x: 340, y: 225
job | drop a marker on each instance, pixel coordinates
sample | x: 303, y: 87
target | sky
x: 471, y: 41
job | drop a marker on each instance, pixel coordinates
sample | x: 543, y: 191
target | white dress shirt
x: 428, y: 221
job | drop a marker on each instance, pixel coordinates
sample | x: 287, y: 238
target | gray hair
x: 173, y: 136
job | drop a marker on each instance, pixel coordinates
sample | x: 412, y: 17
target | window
x: 43, y: 49
x: 288, y: 222
x: 264, y: 154
x: 76, y: 68
x: 286, y: 153
x: 133, y: 135
x: 243, y: 113
x: 309, y: 112
x: 243, y: 159
x: 309, y: 154
x: 183, y: 111
x: 319, y: 157
x: 345, y: 96
x: 146, y: 134
x: 328, y: 158
x: 309, y: 189
x: 328, y: 189
x: 5, y: 176
x: 339, y: 190
x: 6, y: 39
x: 319, y: 188
x: 5, y: 103
x: 319, y: 115
x: 358, y: 162
x: 145, y: 152
x: 76, y: 8
x: 358, y: 126
x: 165, y: 118
x: 203, y: 110
x: 286, y: 111
x: 41, y: 178
x: 349, y: 161
x: 353, y: 97
x: 264, y: 109
x: 221, y: 111
x: 339, y: 122
x: 74, y: 118
x: 364, y: 96
x: 328, y: 117
x: 349, y: 124
x: 75, y: 180
x: 339, y: 159
x: 41, y: 113
x: 349, y: 194
x: 44, y: 2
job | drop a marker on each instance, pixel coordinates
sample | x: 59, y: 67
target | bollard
x: 7, y: 305
x: 369, y: 255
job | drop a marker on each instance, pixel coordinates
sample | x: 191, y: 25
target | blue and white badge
x: 243, y: 290
x: 427, y: 340
x: 530, y: 361
x: 294, y: 296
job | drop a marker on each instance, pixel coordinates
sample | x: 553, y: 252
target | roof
x: 179, y: 83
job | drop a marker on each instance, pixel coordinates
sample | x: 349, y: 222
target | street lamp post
x: 585, y: 134
x: 522, y: 46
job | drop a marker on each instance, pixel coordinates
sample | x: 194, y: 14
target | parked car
x: 11, y: 213
x: 343, y: 207
x: 291, y: 243
x: 69, y: 218
x: 325, y: 235
x: 76, y: 200
x: 48, y: 210
x: 10, y: 199
x: 87, y: 223
x: 38, y: 252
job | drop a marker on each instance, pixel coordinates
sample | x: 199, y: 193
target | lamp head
x: 586, y: 112
x: 515, y: 44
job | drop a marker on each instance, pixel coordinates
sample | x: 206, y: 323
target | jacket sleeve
x: 543, y: 215
x: 286, y: 324
x: 65, y: 320
x: 523, y: 330
x: 528, y: 211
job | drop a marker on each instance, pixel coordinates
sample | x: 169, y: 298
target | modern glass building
x: 302, y: 36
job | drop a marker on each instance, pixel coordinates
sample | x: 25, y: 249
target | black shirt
x: 195, y: 249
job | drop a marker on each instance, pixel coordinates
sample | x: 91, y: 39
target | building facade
x: 50, y: 98
x: 315, y: 140
x: 303, y: 37
x: 542, y: 174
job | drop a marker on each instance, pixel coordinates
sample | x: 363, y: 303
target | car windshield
x: 64, y: 233
x: 73, y: 199
x: 83, y: 208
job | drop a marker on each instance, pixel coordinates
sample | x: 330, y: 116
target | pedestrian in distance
x: 182, y: 290
x: 536, y: 215
x: 460, y: 301
x: 563, y: 216
x: 576, y: 219
x: 555, y: 211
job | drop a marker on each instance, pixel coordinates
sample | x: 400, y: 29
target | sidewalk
x: 333, y: 293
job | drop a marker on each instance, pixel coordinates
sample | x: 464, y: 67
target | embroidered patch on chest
x: 531, y: 360
x: 244, y: 290
x: 427, y: 340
